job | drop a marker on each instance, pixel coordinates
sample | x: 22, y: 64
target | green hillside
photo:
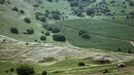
x: 67, y: 37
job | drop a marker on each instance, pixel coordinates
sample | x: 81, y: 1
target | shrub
x: 6, y: 71
x: 22, y: 11
x: 90, y: 12
x: 86, y: 36
x: 2, y: 1
x: 27, y: 43
x: 81, y: 32
x: 59, y: 37
x: 11, y: 69
x: 56, y: 16
x: 81, y: 64
x: 55, y: 30
x: 40, y: 18
x: 27, y: 20
x: 49, y: 28
x: 30, y: 31
x: 14, y: 30
x: 15, y: 9
x: 44, y: 73
x: 129, y: 51
x: 131, y: 3
x: 25, y: 70
x: 106, y: 71
x: 47, y: 34
x: 43, y: 38
x: 47, y: 59
x: 119, y: 49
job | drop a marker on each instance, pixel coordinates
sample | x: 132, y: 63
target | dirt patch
x: 18, y: 51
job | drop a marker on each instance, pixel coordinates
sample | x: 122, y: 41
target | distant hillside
x: 34, y: 20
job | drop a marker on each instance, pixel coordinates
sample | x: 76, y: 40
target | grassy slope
x: 70, y: 67
x: 98, y: 39
x: 106, y: 35
x: 16, y: 20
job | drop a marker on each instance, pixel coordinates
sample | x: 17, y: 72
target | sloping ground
x: 103, y: 34
x: 10, y: 19
x: 65, y: 58
x: 11, y: 49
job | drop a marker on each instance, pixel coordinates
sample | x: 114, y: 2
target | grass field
x: 105, y: 35
x: 67, y: 67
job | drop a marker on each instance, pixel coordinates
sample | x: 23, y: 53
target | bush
x: 11, y: 69
x: 131, y: 3
x: 49, y: 28
x: 43, y: 38
x: 2, y: 1
x: 59, y: 37
x: 86, y: 36
x: 47, y: 34
x: 22, y: 11
x: 30, y: 31
x: 56, y: 16
x: 44, y: 73
x: 90, y: 12
x: 15, y: 9
x: 55, y: 30
x: 27, y: 20
x: 119, y: 49
x: 129, y: 51
x: 81, y: 64
x: 40, y: 18
x: 106, y: 71
x: 81, y: 32
x: 14, y: 30
x: 25, y: 70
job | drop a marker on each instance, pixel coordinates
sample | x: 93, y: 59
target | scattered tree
x: 25, y: 70
x: 27, y: 20
x: 14, y: 30
x: 59, y: 37
x: 43, y: 38
x: 44, y: 73
x: 81, y: 64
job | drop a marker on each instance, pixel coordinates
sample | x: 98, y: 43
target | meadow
x: 104, y: 34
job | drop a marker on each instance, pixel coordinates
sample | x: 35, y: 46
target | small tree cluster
x: 17, y: 10
x: 81, y: 64
x: 27, y: 20
x: 44, y: 73
x: 14, y: 30
x: 43, y: 38
x: 2, y: 1
x: 59, y: 37
x: 25, y: 70
x: 55, y: 30
x: 29, y: 31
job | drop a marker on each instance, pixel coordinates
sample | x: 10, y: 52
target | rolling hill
x: 67, y: 37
